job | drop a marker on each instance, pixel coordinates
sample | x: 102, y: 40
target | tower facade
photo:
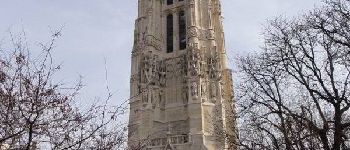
x: 181, y: 88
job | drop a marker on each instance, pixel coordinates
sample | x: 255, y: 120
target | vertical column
x: 140, y: 6
x: 210, y: 7
x: 134, y: 80
x: 229, y: 117
x: 149, y: 14
x: 193, y: 12
x: 193, y: 32
x: 194, y: 58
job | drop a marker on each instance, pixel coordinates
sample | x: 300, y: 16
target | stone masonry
x: 180, y: 87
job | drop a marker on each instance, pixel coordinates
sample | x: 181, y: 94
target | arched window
x: 169, y: 34
x: 169, y: 2
x: 182, y: 30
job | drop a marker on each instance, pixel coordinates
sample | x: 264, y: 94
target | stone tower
x: 181, y: 87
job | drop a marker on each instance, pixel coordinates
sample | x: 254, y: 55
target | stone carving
x: 149, y: 11
x: 150, y: 68
x: 181, y: 68
x: 161, y: 99
x: 134, y: 78
x: 162, y: 74
x: 145, y: 95
x: 139, y: 90
x: 204, y: 89
x: 194, y: 90
x: 178, y: 68
x: 193, y: 32
x: 185, y: 94
x: 184, y: 65
x: 155, y: 71
x: 214, y: 67
x: 211, y: 65
x: 141, y: 37
x: 169, y: 70
x: 213, y: 90
x: 158, y: 141
x: 147, y: 71
x: 203, y: 65
x: 201, y: 33
x: 217, y: 8
x: 154, y: 42
x: 155, y: 98
x: 210, y: 35
x: 175, y: 83
x: 194, y: 59
x: 222, y: 89
x: 179, y: 139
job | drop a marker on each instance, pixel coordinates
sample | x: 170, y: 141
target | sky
x: 97, y: 35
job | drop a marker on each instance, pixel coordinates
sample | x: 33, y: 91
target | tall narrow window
x: 182, y: 30
x: 169, y: 2
x: 169, y: 34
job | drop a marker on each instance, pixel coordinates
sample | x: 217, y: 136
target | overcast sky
x: 98, y: 30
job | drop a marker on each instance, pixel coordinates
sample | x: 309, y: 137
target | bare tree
x: 295, y: 94
x: 38, y: 113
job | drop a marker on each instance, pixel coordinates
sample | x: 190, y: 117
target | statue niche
x: 150, y: 69
x: 162, y: 74
x: 193, y: 59
x: 194, y: 90
x: 214, y: 67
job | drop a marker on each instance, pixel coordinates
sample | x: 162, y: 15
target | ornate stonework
x: 181, y: 98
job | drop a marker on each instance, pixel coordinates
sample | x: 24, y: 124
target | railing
x: 177, y: 139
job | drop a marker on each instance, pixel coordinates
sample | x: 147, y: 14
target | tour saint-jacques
x: 181, y: 87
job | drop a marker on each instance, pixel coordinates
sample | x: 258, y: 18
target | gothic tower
x: 181, y: 87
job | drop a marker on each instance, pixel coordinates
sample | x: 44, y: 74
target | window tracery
x: 182, y: 30
x: 170, y: 33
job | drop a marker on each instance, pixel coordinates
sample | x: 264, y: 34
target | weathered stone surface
x: 180, y: 100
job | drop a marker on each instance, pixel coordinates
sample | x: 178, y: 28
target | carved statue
x: 213, y: 90
x: 144, y: 96
x: 210, y: 34
x: 161, y: 99
x: 185, y: 94
x: 180, y: 66
x: 203, y: 89
x: 211, y: 65
x: 193, y: 32
x: 214, y: 66
x: 169, y: 70
x: 194, y: 59
x: 194, y: 90
x: 146, y: 68
x: 162, y: 74
x: 150, y: 68
x: 156, y: 98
